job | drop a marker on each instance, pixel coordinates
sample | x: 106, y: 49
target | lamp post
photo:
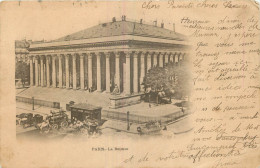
x: 32, y: 103
x: 128, y: 126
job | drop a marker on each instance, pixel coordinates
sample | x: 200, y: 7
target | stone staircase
x: 64, y: 96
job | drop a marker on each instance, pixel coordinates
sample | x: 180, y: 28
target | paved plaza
x: 64, y: 96
x: 110, y: 127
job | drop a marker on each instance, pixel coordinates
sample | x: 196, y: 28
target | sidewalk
x: 179, y: 126
x: 27, y: 108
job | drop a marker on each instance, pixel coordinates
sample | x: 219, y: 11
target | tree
x: 156, y: 79
x: 173, y: 80
x: 181, y: 79
x: 22, y: 72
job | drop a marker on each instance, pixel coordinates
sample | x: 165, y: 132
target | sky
x: 52, y: 20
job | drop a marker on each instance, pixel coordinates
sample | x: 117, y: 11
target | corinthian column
x: 142, y: 69
x: 82, y: 86
x: 89, y: 70
x: 170, y: 57
x: 155, y: 59
x: 135, y: 69
x: 161, y: 60
x: 48, y: 71
x: 42, y: 73
x: 175, y: 58
x: 60, y: 71
x: 149, y: 61
x: 183, y: 56
x: 179, y: 58
x: 31, y: 71
x: 53, y: 72
x: 166, y: 58
x: 107, y: 73
x: 74, y: 77
x: 67, y: 73
x: 117, y: 70
x: 98, y: 72
x: 36, y: 71
x: 127, y: 73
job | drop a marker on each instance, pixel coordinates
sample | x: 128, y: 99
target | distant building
x: 21, y: 51
x: 118, y: 53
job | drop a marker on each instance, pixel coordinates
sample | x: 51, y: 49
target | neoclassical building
x: 115, y: 53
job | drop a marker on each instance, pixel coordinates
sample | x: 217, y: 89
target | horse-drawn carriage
x: 150, y: 128
x: 28, y: 119
x: 55, y: 121
x: 159, y: 97
x: 87, y: 127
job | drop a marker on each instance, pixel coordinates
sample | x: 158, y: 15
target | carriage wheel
x: 55, y: 126
x: 45, y: 130
x: 82, y: 130
x: 64, y: 124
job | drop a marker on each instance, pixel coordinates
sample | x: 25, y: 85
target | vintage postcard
x: 130, y: 84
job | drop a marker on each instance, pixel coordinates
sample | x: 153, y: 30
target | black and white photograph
x: 124, y: 77
x: 127, y: 84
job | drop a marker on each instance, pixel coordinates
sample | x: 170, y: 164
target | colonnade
x: 100, y: 71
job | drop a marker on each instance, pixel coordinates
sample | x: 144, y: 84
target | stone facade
x: 100, y: 62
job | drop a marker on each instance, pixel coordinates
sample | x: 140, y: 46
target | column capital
x: 89, y: 55
x: 75, y: 54
x: 175, y: 53
x: 60, y: 56
x: 92, y: 52
x: 135, y: 54
x: 66, y: 54
x: 107, y: 53
x: 41, y: 56
x: 48, y: 57
x: 151, y: 52
x: 156, y: 52
x: 128, y: 53
x: 100, y: 53
x: 144, y: 52
x: 117, y: 54
x: 54, y: 56
x: 82, y: 55
x: 35, y: 58
x: 31, y: 57
x: 138, y: 52
x: 163, y: 53
x: 57, y: 55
